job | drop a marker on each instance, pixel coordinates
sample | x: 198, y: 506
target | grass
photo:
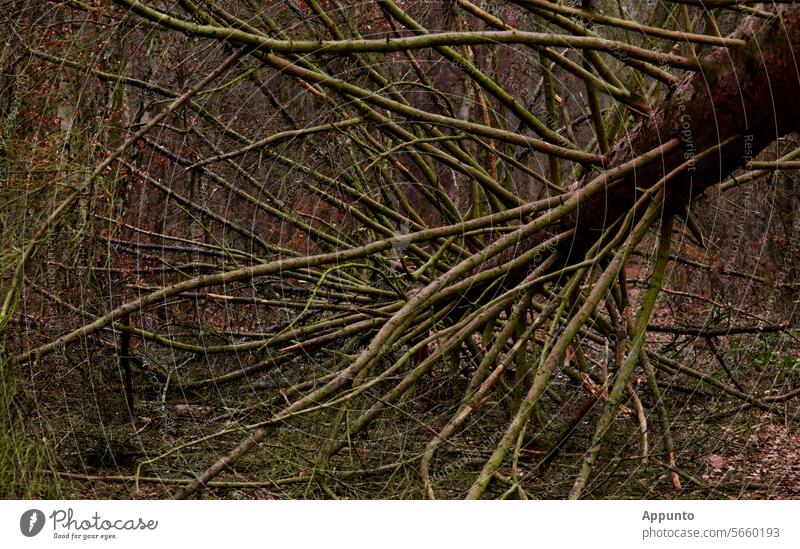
x: 25, y: 471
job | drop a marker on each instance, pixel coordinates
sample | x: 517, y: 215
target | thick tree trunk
x: 749, y: 93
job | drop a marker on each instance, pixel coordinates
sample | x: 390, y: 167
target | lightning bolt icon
x: 33, y: 519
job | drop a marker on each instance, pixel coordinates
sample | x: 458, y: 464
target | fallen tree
x: 401, y: 273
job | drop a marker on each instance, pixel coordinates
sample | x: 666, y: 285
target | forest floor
x: 722, y: 450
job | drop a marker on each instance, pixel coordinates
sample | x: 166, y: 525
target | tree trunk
x: 749, y: 93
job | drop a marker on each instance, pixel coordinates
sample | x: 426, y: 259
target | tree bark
x: 750, y: 93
